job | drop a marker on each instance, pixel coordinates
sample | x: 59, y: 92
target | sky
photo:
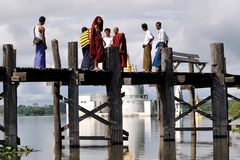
x: 191, y: 26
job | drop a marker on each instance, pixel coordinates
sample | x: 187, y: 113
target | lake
x: 144, y: 141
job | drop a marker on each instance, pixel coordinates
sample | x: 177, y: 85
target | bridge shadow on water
x: 167, y: 151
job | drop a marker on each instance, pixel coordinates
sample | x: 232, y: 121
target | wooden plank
x: 183, y: 114
x: 185, y: 54
x: 91, y: 113
x: 73, y: 95
x: 125, y: 133
x: 56, y: 95
x: 87, y: 113
x: 219, y: 91
x: 209, y: 116
x: 165, y: 89
x: 114, y: 93
x: 233, y: 97
x: 199, y: 80
x: 2, y: 128
x: 187, y: 60
x: 91, y: 138
x: 203, y: 101
x: 194, y: 129
x: 183, y: 102
x: 10, y: 97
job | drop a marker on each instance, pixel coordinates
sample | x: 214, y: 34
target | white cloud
x: 191, y: 25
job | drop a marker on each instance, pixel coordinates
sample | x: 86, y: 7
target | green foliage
x: 207, y: 107
x: 7, y: 153
x: 36, y: 110
x: 234, y: 108
x: 237, y: 130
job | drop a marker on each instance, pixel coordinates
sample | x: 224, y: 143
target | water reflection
x: 167, y: 150
x: 220, y: 148
x: 144, y: 142
x: 58, y: 152
x: 115, y: 152
x: 74, y: 154
x: 193, y: 146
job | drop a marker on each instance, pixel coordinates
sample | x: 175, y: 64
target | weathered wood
x: 192, y: 103
x: 56, y: 55
x: 87, y: 113
x: 219, y: 91
x: 185, y: 60
x: 10, y: 97
x: 166, y: 91
x: 202, y: 102
x: 115, y: 152
x: 194, y: 129
x: 183, y: 114
x: 2, y: 128
x: 114, y: 93
x: 167, y: 150
x: 188, y: 55
x: 56, y: 100
x: 73, y: 112
x: 220, y: 148
x: 193, y: 146
x: 209, y: 116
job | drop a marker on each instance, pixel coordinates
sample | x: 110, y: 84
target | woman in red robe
x: 96, y: 42
x: 119, y: 39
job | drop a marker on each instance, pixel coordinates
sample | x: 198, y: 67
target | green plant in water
x: 7, y: 153
x: 236, y: 130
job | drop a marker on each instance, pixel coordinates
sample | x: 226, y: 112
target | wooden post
x: 10, y: 97
x: 167, y: 150
x: 114, y: 92
x: 219, y: 91
x: 115, y: 152
x: 220, y: 148
x: 192, y: 114
x: 192, y: 102
x: 166, y: 98
x: 56, y: 101
x: 73, y: 112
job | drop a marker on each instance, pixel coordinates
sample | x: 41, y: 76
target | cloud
x: 191, y: 26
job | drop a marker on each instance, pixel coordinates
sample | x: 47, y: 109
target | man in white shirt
x: 147, y: 45
x: 162, y: 42
x: 107, y: 38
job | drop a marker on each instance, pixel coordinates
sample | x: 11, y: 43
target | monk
x: 119, y: 39
x: 96, y: 42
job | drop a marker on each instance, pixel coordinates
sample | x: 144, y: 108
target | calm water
x: 144, y: 142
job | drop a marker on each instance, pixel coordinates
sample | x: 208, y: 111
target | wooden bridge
x: 112, y: 77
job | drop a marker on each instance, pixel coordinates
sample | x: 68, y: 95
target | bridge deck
x: 85, y: 77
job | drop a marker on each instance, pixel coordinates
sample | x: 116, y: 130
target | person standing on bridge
x: 162, y: 42
x: 119, y: 39
x: 96, y: 42
x: 108, y: 40
x: 147, y: 46
x: 87, y: 62
x: 40, y: 42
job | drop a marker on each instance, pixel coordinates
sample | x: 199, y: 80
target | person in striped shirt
x: 87, y: 62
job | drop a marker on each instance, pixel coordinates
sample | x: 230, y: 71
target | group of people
x: 147, y: 46
x: 93, y: 44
